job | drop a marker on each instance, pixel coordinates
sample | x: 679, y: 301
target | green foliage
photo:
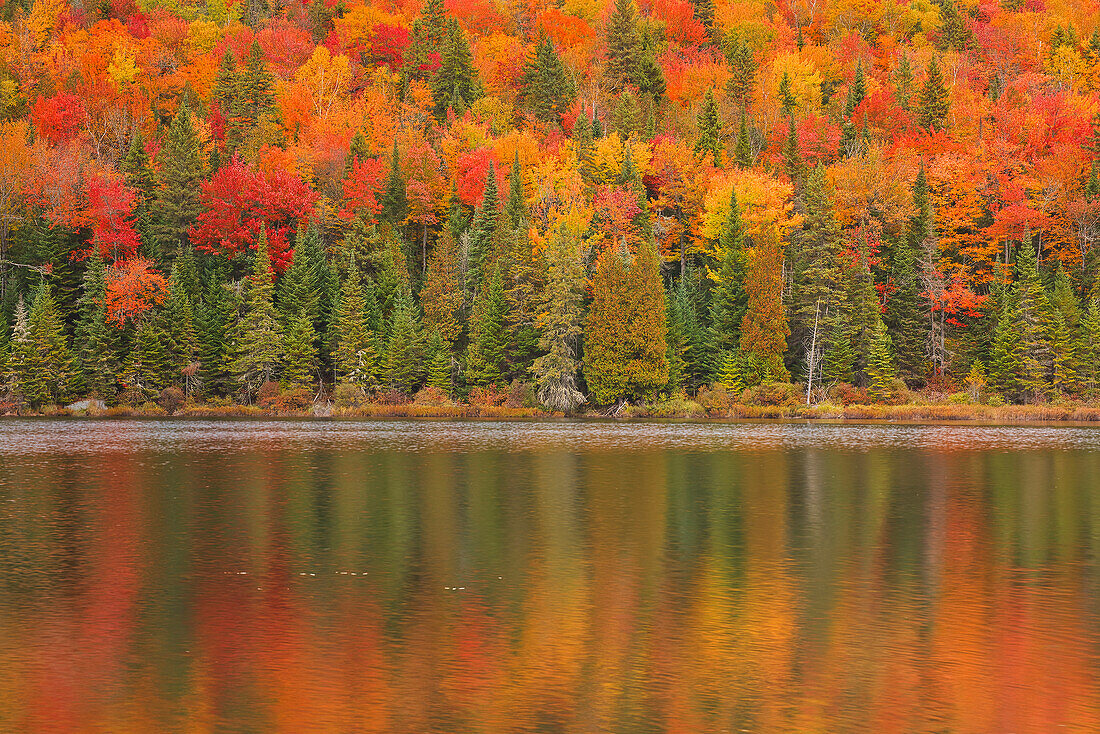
x: 560, y: 323
x: 299, y: 352
x: 934, y: 102
x: 455, y: 85
x: 710, y: 130
x: 180, y: 175
x: 355, y: 354
x: 257, y: 348
x: 546, y: 87
x: 405, y: 349
x: 880, y: 364
x: 486, y: 360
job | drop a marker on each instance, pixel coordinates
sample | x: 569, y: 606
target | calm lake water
x: 546, y: 577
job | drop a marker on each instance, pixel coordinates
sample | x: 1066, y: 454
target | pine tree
x: 486, y: 360
x: 299, y: 352
x: 19, y: 374
x: 839, y: 357
x: 404, y: 349
x: 625, y: 353
x: 743, y: 66
x: 710, y: 131
x: 954, y: 33
x: 903, y: 308
x: 546, y: 87
x: 623, y: 46
x: 1005, y: 356
x: 455, y: 85
x: 226, y: 81
x: 255, y: 98
x: 1036, y: 325
x: 787, y: 102
x: 880, y: 364
x: 560, y: 323
x: 140, y: 177
x: 257, y: 343
x: 857, y: 91
x: 934, y: 102
x: 730, y: 372
x: 144, y: 369
x: 1089, y: 357
x: 181, y: 173
x: 429, y: 33
x: 703, y: 11
x: 214, y: 319
x: 440, y: 373
x: 792, y: 161
x: 355, y: 355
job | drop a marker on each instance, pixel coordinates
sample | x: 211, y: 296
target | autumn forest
x: 570, y: 205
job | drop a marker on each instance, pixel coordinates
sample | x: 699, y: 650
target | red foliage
x: 362, y: 189
x: 680, y: 24
x: 110, y: 206
x: 818, y: 139
x: 239, y: 199
x: 472, y: 174
x: 133, y: 287
x: 138, y: 26
x: 388, y: 45
x: 59, y: 118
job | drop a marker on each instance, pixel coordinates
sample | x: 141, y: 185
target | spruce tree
x: 441, y: 296
x: 1036, y: 324
x: 625, y: 352
x: 787, y: 102
x: 483, y: 232
x: 880, y: 364
x: 181, y: 173
x: 356, y: 356
x: 903, y: 82
x: 181, y: 344
x: 140, y: 177
x: 623, y: 45
x: 257, y: 343
x: 710, y: 131
x: 730, y: 298
x: 486, y: 360
x: 743, y: 67
x: 857, y: 91
x: 546, y: 87
x: 19, y: 374
x: 440, y: 373
x: 839, y: 356
x: 455, y: 85
x: 395, y: 206
x: 1006, y: 354
x: 92, y: 344
x: 144, y: 368
x: 299, y: 352
x: 404, y: 349
x: 934, y: 103
x: 904, y: 316
x: 255, y: 99
x: 1089, y: 357
x: 792, y: 161
x: 214, y: 320
x: 429, y: 33
x: 764, y: 328
x: 743, y: 152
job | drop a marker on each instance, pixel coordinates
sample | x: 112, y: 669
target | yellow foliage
x: 804, y: 78
x: 122, y: 68
x: 609, y: 154
x: 762, y: 198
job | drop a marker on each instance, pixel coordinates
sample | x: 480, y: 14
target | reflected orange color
x: 627, y: 589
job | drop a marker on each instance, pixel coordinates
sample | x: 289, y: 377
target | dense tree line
x: 380, y: 201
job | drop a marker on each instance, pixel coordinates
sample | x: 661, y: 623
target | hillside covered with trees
x: 585, y: 202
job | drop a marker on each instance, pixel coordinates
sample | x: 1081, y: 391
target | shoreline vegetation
x: 779, y: 401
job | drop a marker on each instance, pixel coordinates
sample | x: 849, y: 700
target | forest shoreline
x: 1007, y: 415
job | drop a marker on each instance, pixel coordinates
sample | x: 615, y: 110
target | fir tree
x: 483, y: 232
x: 787, y: 102
x: 19, y: 372
x: 839, y: 356
x: 440, y: 373
x: 429, y: 33
x: 214, y: 319
x: 92, y: 345
x: 742, y: 63
x: 1006, y: 354
x: 257, y: 343
x: 934, y: 102
x: 764, y: 328
x: 857, y: 91
x: 180, y: 343
x: 144, y: 369
x: 395, y: 206
x: 441, y: 296
x: 404, y: 349
x: 546, y: 87
x: 792, y: 161
x: 255, y: 98
x: 1036, y: 325
x: 1089, y: 358
x: 710, y: 140
x: 743, y: 152
x: 730, y: 372
x: 904, y: 316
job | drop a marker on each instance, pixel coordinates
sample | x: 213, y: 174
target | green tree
x: 299, y: 352
x: 710, y: 130
x: 180, y: 342
x: 623, y: 45
x: 546, y: 87
x: 1036, y: 325
x: 904, y: 308
x: 214, y: 320
x: 934, y: 102
x: 743, y: 152
x: 355, y: 355
x: 743, y: 66
x: 144, y: 369
x: 561, y: 323
x: 455, y: 85
x: 625, y: 352
x: 257, y: 344
x: 880, y: 364
x: 395, y: 205
x: 1006, y: 354
x: 94, y: 355
x: 483, y: 231
x: 181, y: 173
x: 487, y: 355
x: 441, y: 296
x: 730, y: 299
x: 404, y: 349
x: 764, y: 328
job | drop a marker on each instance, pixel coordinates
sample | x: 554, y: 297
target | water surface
x: 548, y: 577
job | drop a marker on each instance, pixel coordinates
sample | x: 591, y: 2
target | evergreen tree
x: 181, y: 173
x: 1089, y: 358
x: 214, y: 320
x: 546, y: 87
x: 93, y: 352
x: 355, y: 354
x: 792, y: 161
x: 226, y: 82
x: 140, y: 177
x: 904, y: 316
x: 180, y: 343
x: 255, y: 98
x: 903, y: 82
x: 730, y: 299
x: 1036, y: 325
x: 710, y: 129
x: 764, y: 328
x: 429, y: 33
x: 934, y: 102
x: 623, y: 45
x: 404, y: 350
x: 358, y: 152
x: 144, y: 369
x: 880, y: 364
x: 395, y: 206
x: 743, y: 153
x: 483, y: 233
x: 455, y: 85
x: 440, y: 372
x: 1006, y: 354
x: 730, y: 372
x: 703, y: 11
x: 954, y: 33
x: 742, y: 63
x: 787, y: 102
x: 857, y: 91
x: 441, y: 296
x: 257, y: 343
x: 486, y: 360
x: 560, y: 323
x: 839, y: 357
x: 299, y: 352
x: 19, y: 372
x: 625, y: 353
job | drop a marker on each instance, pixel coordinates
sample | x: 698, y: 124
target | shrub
x: 268, y: 390
x: 131, y: 396
x: 995, y: 400
x: 773, y: 393
x: 347, y: 395
x: 171, y: 398
x: 431, y: 396
x: 959, y: 398
x: 292, y: 401
x: 392, y: 396
x: 491, y: 395
x: 520, y: 395
x: 846, y: 394
x: 716, y: 400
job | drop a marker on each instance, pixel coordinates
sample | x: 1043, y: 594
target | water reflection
x: 465, y: 577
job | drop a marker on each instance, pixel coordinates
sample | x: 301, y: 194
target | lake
x: 396, y: 576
